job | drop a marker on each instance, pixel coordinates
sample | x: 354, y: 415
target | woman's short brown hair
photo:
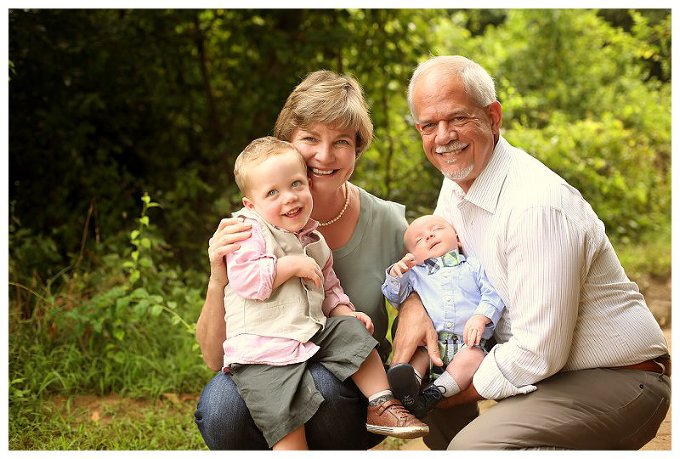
x: 327, y: 98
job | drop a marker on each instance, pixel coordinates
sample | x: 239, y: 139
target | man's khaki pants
x: 585, y: 409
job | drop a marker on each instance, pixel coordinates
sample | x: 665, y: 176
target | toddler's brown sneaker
x: 391, y: 418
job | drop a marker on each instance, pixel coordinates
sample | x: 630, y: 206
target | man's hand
x: 414, y: 329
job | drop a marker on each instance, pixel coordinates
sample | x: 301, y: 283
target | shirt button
x: 449, y: 325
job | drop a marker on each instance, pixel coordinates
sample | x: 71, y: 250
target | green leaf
x: 119, y: 357
x: 139, y: 292
x: 145, y: 262
x: 122, y: 302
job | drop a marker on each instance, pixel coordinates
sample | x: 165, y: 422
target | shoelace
x: 396, y: 409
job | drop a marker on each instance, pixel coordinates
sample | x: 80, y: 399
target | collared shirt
x: 450, y: 294
x: 569, y: 303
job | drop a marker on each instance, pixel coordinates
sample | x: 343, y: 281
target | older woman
x: 326, y: 118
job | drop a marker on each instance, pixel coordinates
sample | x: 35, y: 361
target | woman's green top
x: 377, y: 243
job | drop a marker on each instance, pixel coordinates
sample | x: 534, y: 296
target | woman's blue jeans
x: 340, y: 423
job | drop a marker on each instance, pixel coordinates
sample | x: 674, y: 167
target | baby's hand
x: 474, y: 328
x: 403, y: 265
x: 366, y: 320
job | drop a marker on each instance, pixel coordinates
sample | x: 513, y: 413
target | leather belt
x: 661, y: 365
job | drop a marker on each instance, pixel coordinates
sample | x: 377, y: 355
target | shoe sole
x: 403, y: 381
x: 399, y: 432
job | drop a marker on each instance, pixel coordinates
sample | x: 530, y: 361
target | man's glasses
x: 456, y: 122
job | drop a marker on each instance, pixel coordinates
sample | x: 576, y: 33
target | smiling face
x: 330, y: 155
x: 458, y: 136
x: 430, y: 236
x: 278, y: 190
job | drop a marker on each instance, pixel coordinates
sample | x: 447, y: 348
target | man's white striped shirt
x: 570, y: 305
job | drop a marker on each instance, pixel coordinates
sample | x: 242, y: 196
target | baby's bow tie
x: 448, y: 259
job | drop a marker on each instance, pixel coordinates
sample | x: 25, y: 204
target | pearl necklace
x: 342, y: 212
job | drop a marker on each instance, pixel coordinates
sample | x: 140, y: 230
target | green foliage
x: 607, y: 163
x: 126, y: 326
x: 655, y: 265
x: 92, y: 131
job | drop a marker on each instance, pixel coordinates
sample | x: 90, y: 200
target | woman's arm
x: 210, y: 329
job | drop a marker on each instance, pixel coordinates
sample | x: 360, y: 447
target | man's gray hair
x: 477, y: 81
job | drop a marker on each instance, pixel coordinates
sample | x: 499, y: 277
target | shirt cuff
x: 333, y: 300
x: 489, y: 311
x: 394, y: 283
x: 491, y: 384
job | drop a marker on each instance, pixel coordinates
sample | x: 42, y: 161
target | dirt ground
x: 658, y: 297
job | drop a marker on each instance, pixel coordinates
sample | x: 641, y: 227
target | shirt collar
x: 308, y: 228
x: 486, y: 188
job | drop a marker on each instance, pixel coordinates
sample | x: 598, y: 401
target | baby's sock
x: 380, y: 397
x: 446, y: 384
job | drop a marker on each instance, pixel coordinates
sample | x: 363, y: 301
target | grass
x: 106, y: 423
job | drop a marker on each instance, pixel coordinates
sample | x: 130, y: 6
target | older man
x: 575, y: 326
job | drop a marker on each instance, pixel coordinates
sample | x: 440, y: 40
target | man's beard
x: 459, y: 174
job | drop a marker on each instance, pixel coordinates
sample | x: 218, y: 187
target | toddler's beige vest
x: 294, y: 309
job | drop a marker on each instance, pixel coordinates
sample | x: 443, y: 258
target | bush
x: 610, y: 165
x: 125, y: 326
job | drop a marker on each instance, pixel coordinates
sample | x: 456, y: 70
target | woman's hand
x: 345, y: 310
x: 225, y: 240
x: 366, y: 320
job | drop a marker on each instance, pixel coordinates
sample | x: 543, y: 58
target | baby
x: 460, y: 300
